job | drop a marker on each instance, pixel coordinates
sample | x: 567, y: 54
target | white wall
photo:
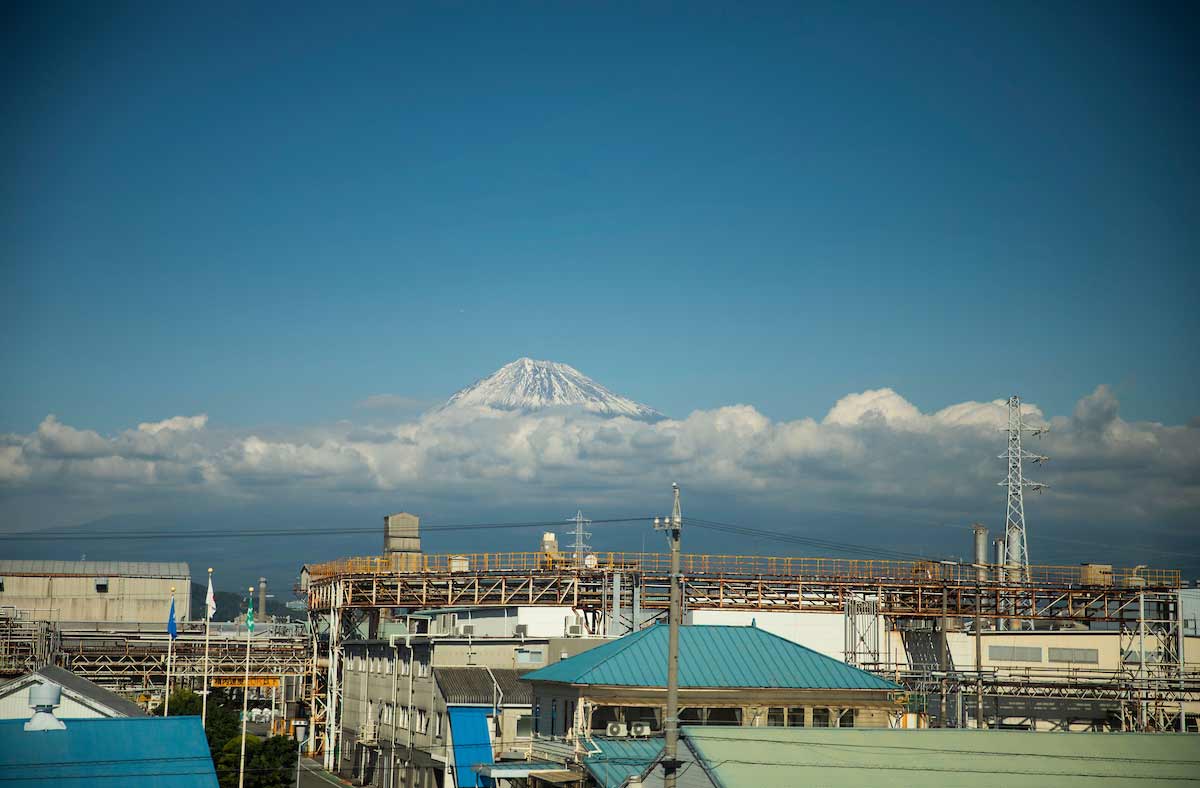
x: 822, y: 632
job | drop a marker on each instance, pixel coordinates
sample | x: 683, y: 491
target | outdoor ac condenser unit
x: 639, y: 729
x: 615, y: 730
x: 466, y: 629
x: 521, y: 630
x: 574, y: 630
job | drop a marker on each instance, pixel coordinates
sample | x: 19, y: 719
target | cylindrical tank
x: 981, y: 540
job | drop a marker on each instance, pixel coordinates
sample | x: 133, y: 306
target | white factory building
x: 110, y: 591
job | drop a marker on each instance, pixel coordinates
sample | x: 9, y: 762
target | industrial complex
x: 566, y: 665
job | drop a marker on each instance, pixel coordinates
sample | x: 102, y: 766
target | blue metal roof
x: 99, y: 753
x: 472, y: 744
x: 709, y: 656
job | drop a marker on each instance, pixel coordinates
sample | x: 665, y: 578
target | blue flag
x: 172, y: 630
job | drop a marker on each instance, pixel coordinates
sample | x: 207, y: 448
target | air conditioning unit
x: 521, y: 630
x: 466, y: 629
x: 616, y: 730
x: 640, y: 729
x: 574, y: 630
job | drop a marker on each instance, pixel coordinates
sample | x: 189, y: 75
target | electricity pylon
x: 1016, y: 546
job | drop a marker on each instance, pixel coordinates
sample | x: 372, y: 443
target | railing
x: 731, y: 565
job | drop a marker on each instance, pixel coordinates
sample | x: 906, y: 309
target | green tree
x: 269, y: 764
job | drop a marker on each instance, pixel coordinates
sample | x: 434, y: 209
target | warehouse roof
x: 747, y: 757
x: 171, y: 569
x: 709, y: 656
x: 475, y: 685
x: 154, y: 752
x: 106, y: 703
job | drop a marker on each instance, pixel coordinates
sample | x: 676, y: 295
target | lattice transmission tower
x: 1016, y: 559
x: 580, y: 546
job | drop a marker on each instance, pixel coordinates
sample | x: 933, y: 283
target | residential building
x: 109, y: 591
x: 438, y: 699
x: 44, y: 749
x: 727, y: 676
x: 80, y: 698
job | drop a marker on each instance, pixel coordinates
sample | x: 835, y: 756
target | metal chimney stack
x: 981, y: 552
x: 42, y: 699
x: 262, y: 598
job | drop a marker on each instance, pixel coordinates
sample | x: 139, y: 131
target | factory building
x: 79, y: 698
x: 99, y: 591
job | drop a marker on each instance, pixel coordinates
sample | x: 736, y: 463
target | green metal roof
x: 746, y: 757
x: 709, y: 656
x: 618, y: 759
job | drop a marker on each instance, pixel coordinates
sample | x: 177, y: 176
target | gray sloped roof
x: 78, y: 686
x: 171, y: 569
x: 471, y: 684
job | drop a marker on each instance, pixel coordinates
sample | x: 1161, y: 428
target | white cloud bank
x: 872, y: 450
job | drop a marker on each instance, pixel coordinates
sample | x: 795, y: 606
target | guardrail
x: 733, y: 565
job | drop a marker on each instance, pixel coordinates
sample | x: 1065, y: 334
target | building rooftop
x: 745, y: 757
x: 170, y: 569
x: 709, y: 656
x: 151, y: 752
x: 474, y: 685
x: 107, y: 703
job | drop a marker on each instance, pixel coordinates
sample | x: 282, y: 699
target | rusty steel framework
x: 126, y: 658
x: 344, y: 594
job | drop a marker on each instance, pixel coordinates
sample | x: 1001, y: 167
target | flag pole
x: 246, y: 687
x: 170, y: 649
x: 207, y: 626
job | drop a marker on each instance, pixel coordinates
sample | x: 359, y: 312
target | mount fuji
x: 528, y: 385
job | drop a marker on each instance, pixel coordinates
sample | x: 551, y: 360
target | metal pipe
x: 673, y: 526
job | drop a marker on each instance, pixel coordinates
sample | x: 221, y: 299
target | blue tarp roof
x: 105, y: 753
x: 472, y: 744
x: 709, y: 656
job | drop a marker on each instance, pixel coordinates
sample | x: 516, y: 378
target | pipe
x: 1001, y: 558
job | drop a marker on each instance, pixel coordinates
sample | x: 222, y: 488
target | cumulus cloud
x: 872, y: 451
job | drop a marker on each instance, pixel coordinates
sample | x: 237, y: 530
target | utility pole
x: 672, y: 525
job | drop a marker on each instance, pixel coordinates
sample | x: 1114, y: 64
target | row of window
x: 384, y: 666
x: 794, y: 717
x: 1087, y: 656
x: 400, y: 716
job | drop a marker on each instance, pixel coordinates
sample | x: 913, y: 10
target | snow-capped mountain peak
x: 527, y: 385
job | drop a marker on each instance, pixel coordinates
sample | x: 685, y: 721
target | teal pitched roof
x: 618, y: 759
x: 709, y: 656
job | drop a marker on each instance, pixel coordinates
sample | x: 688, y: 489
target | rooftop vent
x: 42, y: 699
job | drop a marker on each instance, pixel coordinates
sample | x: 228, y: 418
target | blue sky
x: 267, y: 215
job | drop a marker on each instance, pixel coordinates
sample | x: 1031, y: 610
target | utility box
x: 1096, y: 574
x: 459, y: 563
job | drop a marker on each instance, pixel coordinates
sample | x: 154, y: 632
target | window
x: 385, y: 714
x: 1, y: 585
x: 423, y: 669
x: 603, y: 715
x: 846, y: 718
x: 1090, y: 656
x: 101, y: 585
x: 776, y: 716
x: 422, y: 721
x: 724, y: 716
x: 820, y: 718
x: 554, y: 717
x: 404, y: 667
x: 795, y: 717
x: 530, y: 656
x: 524, y: 726
x: 691, y: 716
x: 437, y: 725
x: 1015, y: 653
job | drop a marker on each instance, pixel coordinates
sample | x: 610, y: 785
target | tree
x: 269, y: 764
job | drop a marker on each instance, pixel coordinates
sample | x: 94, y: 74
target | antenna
x: 1017, y: 549
x: 581, y: 547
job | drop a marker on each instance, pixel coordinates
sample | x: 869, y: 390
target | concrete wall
x: 75, y: 598
x: 824, y: 633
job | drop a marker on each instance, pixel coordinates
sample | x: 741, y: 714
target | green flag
x: 250, y: 614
